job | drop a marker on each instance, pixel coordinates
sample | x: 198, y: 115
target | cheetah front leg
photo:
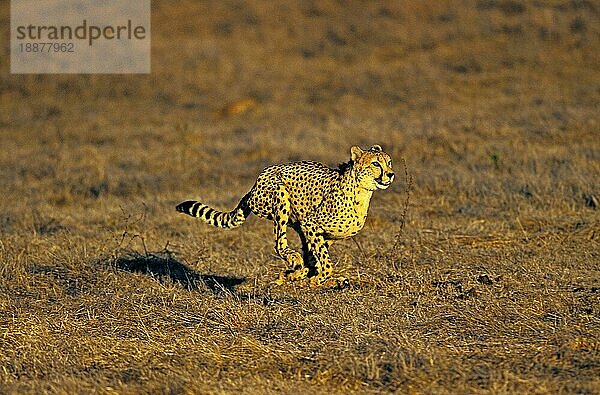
x: 281, y: 215
x: 319, y: 247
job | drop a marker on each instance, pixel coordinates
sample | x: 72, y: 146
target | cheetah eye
x: 376, y: 164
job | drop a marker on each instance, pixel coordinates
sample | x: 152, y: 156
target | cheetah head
x: 372, y: 168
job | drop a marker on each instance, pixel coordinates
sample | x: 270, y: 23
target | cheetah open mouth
x: 382, y: 185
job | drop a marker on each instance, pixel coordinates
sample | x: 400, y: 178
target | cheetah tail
x: 231, y: 219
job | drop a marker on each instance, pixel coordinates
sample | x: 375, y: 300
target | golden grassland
x: 489, y: 284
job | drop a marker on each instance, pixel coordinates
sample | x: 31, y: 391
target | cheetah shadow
x: 163, y: 266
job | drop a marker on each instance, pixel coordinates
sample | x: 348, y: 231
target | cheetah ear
x: 356, y: 153
x: 376, y: 148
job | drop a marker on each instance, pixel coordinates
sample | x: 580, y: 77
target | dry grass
x: 492, y: 287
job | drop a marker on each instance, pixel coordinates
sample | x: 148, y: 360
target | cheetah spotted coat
x: 320, y: 203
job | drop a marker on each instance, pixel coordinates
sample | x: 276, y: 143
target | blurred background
x: 480, y: 97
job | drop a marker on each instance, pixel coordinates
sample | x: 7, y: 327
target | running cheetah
x: 321, y: 204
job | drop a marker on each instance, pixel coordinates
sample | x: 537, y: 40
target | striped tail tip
x: 186, y: 207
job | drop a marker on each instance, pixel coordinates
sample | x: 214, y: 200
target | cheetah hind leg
x: 300, y: 270
x: 296, y: 272
x: 282, y: 209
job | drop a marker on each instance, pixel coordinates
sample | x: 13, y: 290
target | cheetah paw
x: 332, y: 283
x: 337, y: 283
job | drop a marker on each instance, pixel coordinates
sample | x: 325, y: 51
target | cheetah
x: 320, y: 203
